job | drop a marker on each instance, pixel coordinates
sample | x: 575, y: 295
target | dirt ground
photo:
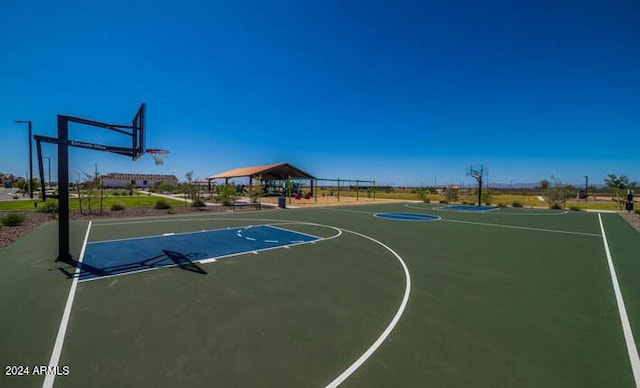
x: 33, y: 219
x: 632, y: 218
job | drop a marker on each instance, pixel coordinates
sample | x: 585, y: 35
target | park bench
x: 255, y: 205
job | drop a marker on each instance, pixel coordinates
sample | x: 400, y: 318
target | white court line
x: 523, y: 228
x: 524, y: 213
x: 216, y: 258
x: 622, y: 311
x: 293, y: 231
x: 345, y: 210
x: 452, y: 208
x: 396, y: 318
x: 62, y: 330
x: 160, y: 235
x: 378, y: 342
x: 425, y: 219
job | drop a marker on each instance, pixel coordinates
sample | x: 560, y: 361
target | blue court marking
x: 407, y: 216
x: 467, y: 208
x: 109, y: 258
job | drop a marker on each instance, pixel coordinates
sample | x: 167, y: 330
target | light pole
x: 586, y: 188
x: 49, y: 167
x: 30, y: 157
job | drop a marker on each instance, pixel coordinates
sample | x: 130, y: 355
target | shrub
x: 171, y: 211
x: 574, y: 208
x: 226, y: 194
x: 444, y: 201
x: 16, y: 197
x: 556, y: 206
x: 516, y: 204
x: 198, y: 203
x: 13, y: 219
x: 254, y: 192
x: 637, y: 211
x: 500, y: 204
x: 116, y: 194
x: 422, y: 195
x: 49, y: 207
x: 117, y: 206
x: 162, y: 204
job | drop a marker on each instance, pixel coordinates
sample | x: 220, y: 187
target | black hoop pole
x: 43, y: 192
x: 64, y: 253
x: 63, y: 143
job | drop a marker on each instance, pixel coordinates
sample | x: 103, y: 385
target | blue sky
x: 403, y: 92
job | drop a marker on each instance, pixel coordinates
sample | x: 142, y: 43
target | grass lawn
x: 74, y: 204
x: 608, y: 205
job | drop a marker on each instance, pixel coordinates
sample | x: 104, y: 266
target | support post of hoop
x: 64, y: 253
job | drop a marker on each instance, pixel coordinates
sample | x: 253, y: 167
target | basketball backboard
x: 139, y: 132
x: 477, y: 170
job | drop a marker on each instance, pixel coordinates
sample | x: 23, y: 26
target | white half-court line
x: 62, y: 330
x: 523, y: 228
x: 396, y: 318
x: 622, y: 311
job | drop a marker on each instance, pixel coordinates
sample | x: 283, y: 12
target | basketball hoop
x: 158, y: 155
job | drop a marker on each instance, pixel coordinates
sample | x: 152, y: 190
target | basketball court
x: 394, y: 294
x: 327, y: 297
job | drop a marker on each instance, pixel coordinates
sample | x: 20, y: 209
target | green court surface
x: 507, y: 298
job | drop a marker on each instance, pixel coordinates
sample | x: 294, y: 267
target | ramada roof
x: 269, y: 171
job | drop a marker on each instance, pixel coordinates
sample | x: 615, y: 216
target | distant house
x: 117, y: 180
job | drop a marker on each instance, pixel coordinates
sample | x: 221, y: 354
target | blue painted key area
x: 109, y: 258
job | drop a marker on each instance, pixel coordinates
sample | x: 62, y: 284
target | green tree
x: 130, y: 186
x: 422, y: 195
x: 486, y: 196
x: 255, y: 191
x: 544, y: 185
x: 618, y: 185
x: 556, y: 193
x: 226, y: 194
x: 20, y: 183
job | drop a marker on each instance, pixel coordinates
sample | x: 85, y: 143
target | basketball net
x: 158, y: 155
